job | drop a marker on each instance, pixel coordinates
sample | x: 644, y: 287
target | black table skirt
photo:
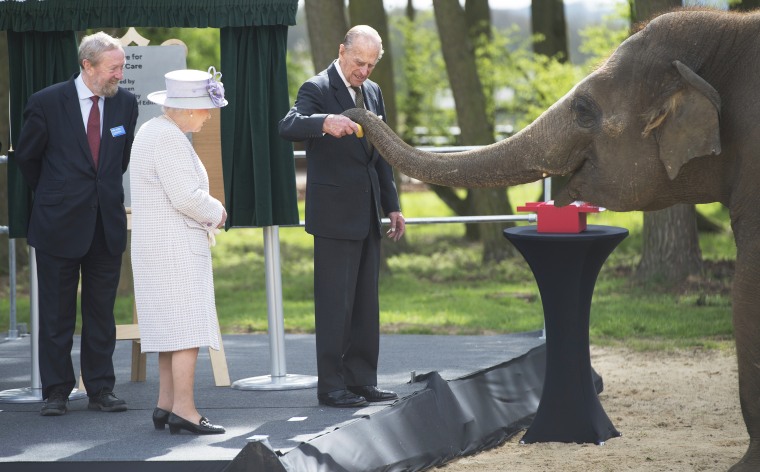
x: 566, y: 266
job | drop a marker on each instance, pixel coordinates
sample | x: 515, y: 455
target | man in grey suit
x: 349, y: 187
x: 73, y: 149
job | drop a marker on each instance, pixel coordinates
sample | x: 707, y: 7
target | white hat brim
x: 191, y: 103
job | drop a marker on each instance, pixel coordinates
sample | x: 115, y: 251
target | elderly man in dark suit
x: 349, y: 186
x: 74, y: 148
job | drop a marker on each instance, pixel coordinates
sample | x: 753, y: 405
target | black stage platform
x: 470, y: 393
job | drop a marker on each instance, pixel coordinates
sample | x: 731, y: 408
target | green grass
x: 438, y: 285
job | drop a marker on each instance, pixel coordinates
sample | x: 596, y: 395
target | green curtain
x: 258, y: 165
x: 36, y: 60
x: 79, y: 15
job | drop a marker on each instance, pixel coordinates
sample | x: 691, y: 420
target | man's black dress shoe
x: 341, y: 399
x: 105, y: 400
x: 373, y: 394
x: 160, y: 418
x: 56, y: 404
x: 177, y: 424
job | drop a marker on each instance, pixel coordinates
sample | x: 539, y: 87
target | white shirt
x: 85, y: 103
x: 348, y: 84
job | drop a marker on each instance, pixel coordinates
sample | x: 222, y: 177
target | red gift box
x: 567, y: 219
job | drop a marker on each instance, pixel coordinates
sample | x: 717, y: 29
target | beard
x: 109, y: 89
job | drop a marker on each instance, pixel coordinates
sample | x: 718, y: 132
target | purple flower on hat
x: 215, y: 88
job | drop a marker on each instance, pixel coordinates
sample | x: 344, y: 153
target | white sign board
x: 144, y: 73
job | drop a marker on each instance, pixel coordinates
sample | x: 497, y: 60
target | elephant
x: 671, y: 116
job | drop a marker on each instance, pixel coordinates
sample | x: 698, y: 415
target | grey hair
x: 366, y: 33
x: 172, y: 110
x: 94, y: 45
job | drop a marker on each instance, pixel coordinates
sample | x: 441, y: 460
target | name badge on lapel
x: 118, y: 131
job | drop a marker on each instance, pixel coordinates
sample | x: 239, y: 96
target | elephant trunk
x: 510, y: 162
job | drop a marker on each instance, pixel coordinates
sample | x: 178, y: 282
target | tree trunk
x: 670, y: 251
x: 327, y: 25
x: 412, y: 106
x: 475, y: 124
x: 671, y: 246
x: 478, y: 16
x: 547, y: 18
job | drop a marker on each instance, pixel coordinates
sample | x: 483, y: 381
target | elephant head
x: 624, y: 134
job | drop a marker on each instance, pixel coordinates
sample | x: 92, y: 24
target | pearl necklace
x: 168, y: 118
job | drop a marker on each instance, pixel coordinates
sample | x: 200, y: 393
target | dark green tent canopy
x: 78, y: 15
x: 259, y: 175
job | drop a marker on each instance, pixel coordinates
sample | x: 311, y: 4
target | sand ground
x: 677, y: 411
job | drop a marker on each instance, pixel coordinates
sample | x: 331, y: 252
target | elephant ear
x: 688, y: 125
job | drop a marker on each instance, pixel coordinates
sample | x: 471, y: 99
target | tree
x: 475, y: 123
x: 422, y: 78
x: 547, y: 18
x: 670, y: 251
x: 327, y: 25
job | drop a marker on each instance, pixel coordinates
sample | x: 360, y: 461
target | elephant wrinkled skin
x: 672, y: 116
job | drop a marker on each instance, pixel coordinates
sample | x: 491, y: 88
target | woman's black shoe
x: 160, y: 418
x: 176, y: 424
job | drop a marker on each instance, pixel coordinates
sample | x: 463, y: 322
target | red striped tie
x: 93, y: 129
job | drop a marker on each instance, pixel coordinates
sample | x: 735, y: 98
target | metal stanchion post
x: 280, y: 379
x: 547, y: 197
x: 33, y: 394
x: 13, y: 326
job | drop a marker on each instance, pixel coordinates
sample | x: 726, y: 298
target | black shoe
x: 107, y: 401
x: 177, y: 423
x: 341, y: 399
x: 56, y: 404
x: 373, y: 394
x: 160, y: 418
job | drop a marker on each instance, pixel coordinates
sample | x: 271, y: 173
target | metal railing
x: 531, y: 217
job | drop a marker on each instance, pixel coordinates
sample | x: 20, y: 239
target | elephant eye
x: 585, y: 112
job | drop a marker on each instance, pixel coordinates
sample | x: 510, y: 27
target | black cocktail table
x: 566, y: 266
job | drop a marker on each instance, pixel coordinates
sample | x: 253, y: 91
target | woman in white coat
x: 174, y: 220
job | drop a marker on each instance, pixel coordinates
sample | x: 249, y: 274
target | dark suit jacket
x: 55, y: 160
x: 346, y: 184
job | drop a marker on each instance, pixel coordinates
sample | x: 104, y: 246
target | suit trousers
x: 58, y: 280
x: 346, y: 311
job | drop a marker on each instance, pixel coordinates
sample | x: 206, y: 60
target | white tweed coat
x: 172, y: 213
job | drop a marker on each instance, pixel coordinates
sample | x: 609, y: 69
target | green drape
x: 259, y: 170
x: 79, y: 15
x: 37, y: 60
